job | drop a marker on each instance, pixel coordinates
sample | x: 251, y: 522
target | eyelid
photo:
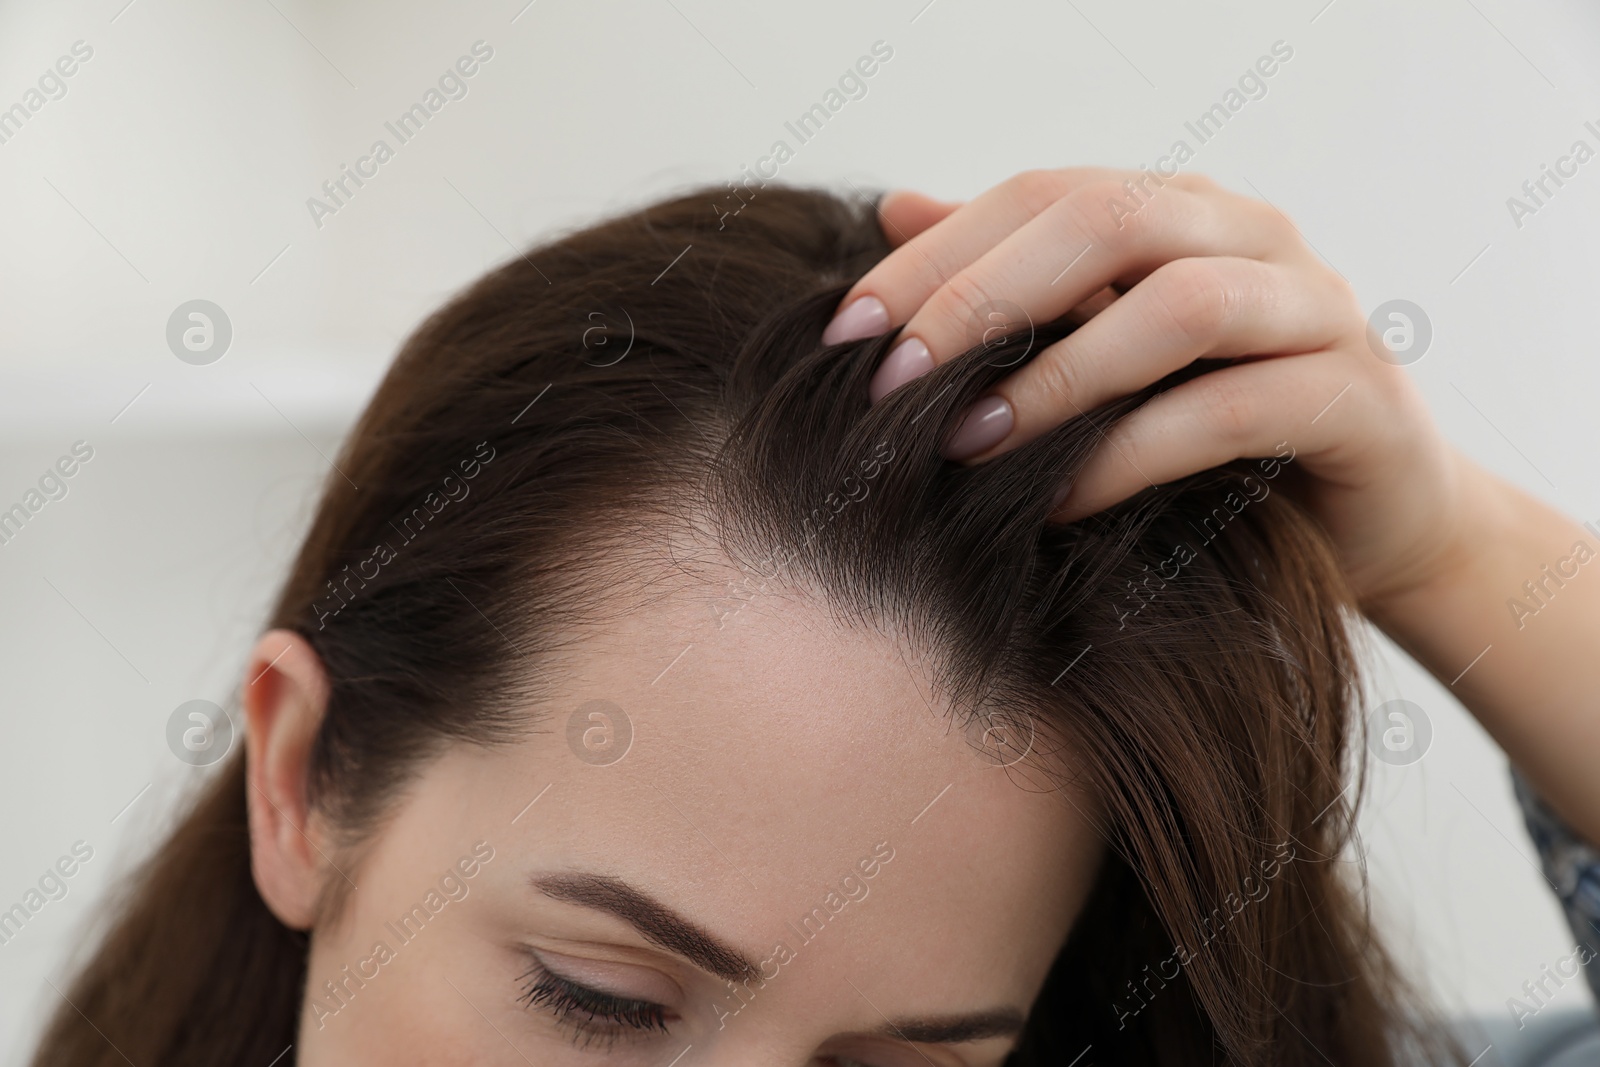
x: 590, y: 1017
x: 594, y: 974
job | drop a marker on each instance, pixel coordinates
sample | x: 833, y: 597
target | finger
x: 889, y: 293
x: 903, y: 214
x: 1275, y: 407
x: 1076, y: 247
x: 1188, y: 309
x: 1094, y: 305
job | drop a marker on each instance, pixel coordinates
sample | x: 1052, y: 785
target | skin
x: 779, y: 755
x: 1433, y: 544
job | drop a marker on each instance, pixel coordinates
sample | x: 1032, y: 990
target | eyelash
x: 594, y: 1016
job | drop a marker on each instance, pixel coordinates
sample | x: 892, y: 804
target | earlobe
x: 285, y: 695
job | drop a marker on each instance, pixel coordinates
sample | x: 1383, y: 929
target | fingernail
x: 862, y: 317
x: 986, y: 424
x: 910, y: 359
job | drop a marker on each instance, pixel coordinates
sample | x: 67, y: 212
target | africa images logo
x: 452, y: 886
x: 452, y: 85
x: 451, y: 489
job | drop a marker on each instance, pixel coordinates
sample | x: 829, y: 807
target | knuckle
x: 921, y: 272
x: 1273, y: 220
x: 1348, y: 317
x: 1057, y: 381
x: 1195, y: 183
x: 1228, y: 406
x: 1104, y: 213
x: 1194, y: 298
x: 961, y: 298
x: 1036, y: 190
x: 1342, y: 296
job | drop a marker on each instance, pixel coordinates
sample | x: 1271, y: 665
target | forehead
x: 768, y: 756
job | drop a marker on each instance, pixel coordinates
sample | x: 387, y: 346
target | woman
x: 677, y: 671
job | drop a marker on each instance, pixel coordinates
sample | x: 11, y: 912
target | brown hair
x: 1186, y: 653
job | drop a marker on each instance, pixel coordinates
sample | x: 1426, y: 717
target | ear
x: 285, y: 696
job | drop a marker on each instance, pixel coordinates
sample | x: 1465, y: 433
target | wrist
x: 1480, y: 527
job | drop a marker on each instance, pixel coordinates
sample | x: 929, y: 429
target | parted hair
x: 1185, y: 657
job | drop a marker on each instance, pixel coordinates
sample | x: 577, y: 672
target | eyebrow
x: 662, y: 926
x: 656, y: 922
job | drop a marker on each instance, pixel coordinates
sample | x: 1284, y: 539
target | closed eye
x: 592, y: 1015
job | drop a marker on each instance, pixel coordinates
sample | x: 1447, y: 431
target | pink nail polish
x: 862, y: 317
x: 986, y: 424
x: 910, y: 359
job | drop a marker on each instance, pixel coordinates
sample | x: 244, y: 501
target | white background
x: 178, y: 164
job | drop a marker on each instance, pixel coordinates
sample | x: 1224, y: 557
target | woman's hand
x: 1202, y: 273
x: 1432, y: 543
